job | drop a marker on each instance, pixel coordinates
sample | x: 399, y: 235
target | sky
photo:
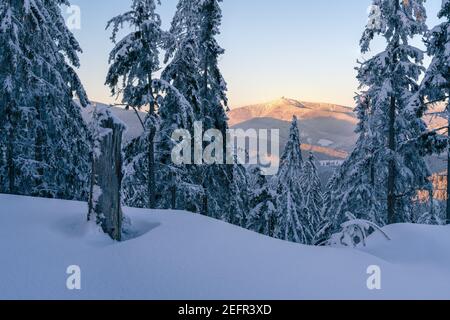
x: 299, y: 49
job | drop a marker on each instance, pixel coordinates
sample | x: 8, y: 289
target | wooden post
x: 106, y: 179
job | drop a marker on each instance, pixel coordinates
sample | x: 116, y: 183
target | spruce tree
x: 436, y: 83
x: 176, y: 188
x: 217, y: 178
x: 313, y: 197
x: 132, y: 74
x: 290, y: 201
x: 236, y: 212
x: 389, y: 80
x: 45, y: 143
x: 213, y: 86
x: 354, y: 187
x: 179, y: 186
x: 262, y: 217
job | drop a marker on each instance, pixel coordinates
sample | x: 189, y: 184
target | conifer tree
x: 179, y: 185
x: 44, y: 147
x: 436, y: 83
x: 213, y: 86
x: 313, y: 197
x: 175, y: 183
x: 262, y: 217
x: 354, y: 187
x: 389, y: 80
x: 290, y: 201
x: 132, y: 74
x: 217, y: 178
x: 236, y: 212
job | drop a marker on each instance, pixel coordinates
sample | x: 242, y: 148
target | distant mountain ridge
x: 326, y: 129
x: 284, y: 108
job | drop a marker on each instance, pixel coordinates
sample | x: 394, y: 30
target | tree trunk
x: 151, y: 172
x: 173, y: 191
x: 391, y: 196
x: 10, y: 158
x: 91, y: 211
x: 104, y: 199
x: 205, y: 110
x: 205, y: 200
x: 39, y: 148
x: 392, y: 169
x: 205, y: 82
x: 151, y: 186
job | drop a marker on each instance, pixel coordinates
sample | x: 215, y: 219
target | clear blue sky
x: 295, y: 48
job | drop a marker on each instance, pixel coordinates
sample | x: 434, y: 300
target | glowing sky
x: 300, y: 49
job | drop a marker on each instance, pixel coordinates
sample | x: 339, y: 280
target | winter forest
x: 170, y: 79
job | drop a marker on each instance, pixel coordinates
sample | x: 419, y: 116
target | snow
x: 128, y: 118
x: 177, y: 255
x: 325, y: 142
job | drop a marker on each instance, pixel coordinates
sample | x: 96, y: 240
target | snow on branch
x: 354, y: 232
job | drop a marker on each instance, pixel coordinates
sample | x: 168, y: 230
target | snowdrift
x: 178, y: 255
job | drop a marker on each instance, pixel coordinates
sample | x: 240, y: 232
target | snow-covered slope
x: 177, y: 255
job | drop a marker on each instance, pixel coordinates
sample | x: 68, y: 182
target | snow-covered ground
x: 176, y: 255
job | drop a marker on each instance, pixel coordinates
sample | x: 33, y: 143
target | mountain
x: 325, y: 125
x: 283, y: 109
x: 328, y: 128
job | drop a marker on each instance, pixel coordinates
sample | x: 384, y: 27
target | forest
x: 47, y: 150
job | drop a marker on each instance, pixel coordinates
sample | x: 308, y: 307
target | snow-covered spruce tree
x: 134, y: 63
x: 313, y: 197
x: 262, y: 217
x: 214, y: 104
x: 213, y: 86
x: 290, y: 202
x: 176, y: 188
x: 182, y: 54
x: 389, y: 80
x: 355, y: 187
x: 436, y: 83
x: 431, y: 212
x: 237, y: 209
x: 179, y: 186
x: 44, y: 142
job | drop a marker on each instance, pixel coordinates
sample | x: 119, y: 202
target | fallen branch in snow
x: 354, y: 232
